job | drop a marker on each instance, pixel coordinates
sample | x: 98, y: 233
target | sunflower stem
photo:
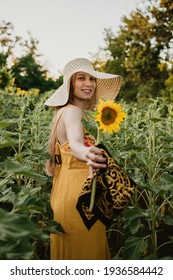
x: 93, y: 191
x: 98, y: 136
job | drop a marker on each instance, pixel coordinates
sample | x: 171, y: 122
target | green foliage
x: 3, y: 59
x: 145, y: 150
x: 26, y: 69
x: 5, y: 77
x: 29, y: 74
x: 26, y: 218
x: 163, y: 23
x: 16, y: 232
x: 142, y: 45
x: 143, y: 147
x: 168, y: 92
x: 8, y: 41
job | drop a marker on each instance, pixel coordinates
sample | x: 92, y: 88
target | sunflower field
x: 143, y: 147
x: 25, y: 213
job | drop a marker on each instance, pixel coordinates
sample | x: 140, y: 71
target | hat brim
x: 58, y: 98
x: 108, y: 86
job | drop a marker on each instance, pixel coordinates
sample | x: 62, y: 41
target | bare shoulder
x: 73, y: 112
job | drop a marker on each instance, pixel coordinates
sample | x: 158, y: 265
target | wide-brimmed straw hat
x: 108, y: 85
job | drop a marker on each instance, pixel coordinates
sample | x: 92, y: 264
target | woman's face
x: 84, y: 86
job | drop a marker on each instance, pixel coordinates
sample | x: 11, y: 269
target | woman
x: 73, y: 157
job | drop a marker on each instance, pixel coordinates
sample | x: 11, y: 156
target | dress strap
x: 57, y: 158
x: 60, y: 114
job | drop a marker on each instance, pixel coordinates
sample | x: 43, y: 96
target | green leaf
x: 162, y: 189
x: 134, y: 247
x: 133, y: 219
x: 54, y: 227
x: 168, y: 178
x: 170, y: 167
x: 7, y: 195
x: 14, y: 249
x: 15, y: 236
x: 7, y: 143
x: 28, y: 200
x: 6, y: 123
x: 155, y: 120
x: 17, y: 168
x: 168, y: 220
x: 17, y: 226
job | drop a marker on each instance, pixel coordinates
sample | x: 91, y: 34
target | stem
x: 151, y: 195
x: 20, y: 127
x: 153, y: 223
x: 125, y: 141
x: 98, y: 136
x: 93, y: 192
x: 164, y: 203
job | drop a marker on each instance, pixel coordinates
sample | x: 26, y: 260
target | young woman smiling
x: 73, y: 157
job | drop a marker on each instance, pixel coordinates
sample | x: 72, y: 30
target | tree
x: 28, y: 73
x: 163, y: 33
x: 136, y: 51
x: 8, y: 42
x: 163, y: 26
x: 5, y: 77
x: 26, y: 69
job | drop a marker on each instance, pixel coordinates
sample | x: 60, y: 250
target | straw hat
x: 108, y: 85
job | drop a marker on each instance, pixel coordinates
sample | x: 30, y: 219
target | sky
x: 65, y: 29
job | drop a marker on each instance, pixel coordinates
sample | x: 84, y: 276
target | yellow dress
x: 77, y: 243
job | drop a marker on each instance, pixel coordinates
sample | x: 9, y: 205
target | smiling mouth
x: 87, y: 90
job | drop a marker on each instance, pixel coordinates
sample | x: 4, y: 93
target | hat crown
x: 77, y: 65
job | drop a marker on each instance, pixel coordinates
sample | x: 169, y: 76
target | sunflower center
x: 108, y: 115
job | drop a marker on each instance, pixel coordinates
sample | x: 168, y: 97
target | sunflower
x: 109, y: 115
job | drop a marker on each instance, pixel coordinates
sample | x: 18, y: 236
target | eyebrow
x: 80, y: 73
x: 83, y: 74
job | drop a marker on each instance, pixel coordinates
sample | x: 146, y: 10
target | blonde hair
x: 50, y: 164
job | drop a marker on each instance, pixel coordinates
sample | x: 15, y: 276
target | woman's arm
x: 74, y: 130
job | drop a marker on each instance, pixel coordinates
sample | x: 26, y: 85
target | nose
x: 89, y: 82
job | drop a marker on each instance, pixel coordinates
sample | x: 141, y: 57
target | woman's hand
x: 94, y: 158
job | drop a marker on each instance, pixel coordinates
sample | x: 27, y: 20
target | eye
x: 92, y: 78
x: 81, y: 78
